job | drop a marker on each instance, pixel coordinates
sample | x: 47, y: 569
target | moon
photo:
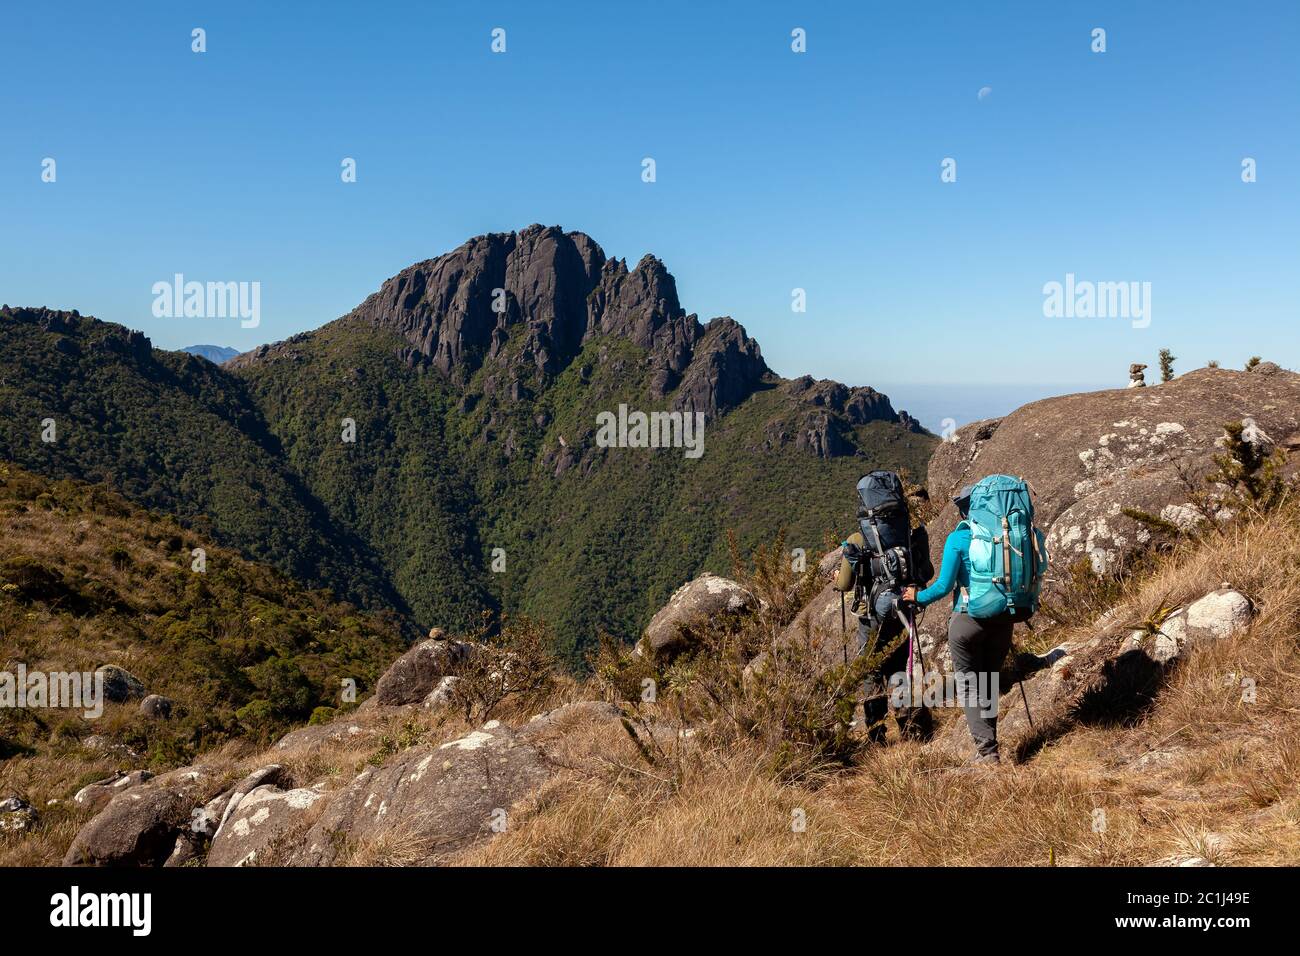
x: 984, y: 92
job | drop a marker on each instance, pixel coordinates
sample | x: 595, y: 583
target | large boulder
x: 415, y: 675
x: 260, y: 820
x: 1103, y: 679
x: 433, y: 801
x: 120, y: 685
x: 706, y: 598
x: 139, y: 826
x: 1090, y: 456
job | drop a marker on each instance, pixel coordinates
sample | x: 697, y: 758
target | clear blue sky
x: 775, y: 170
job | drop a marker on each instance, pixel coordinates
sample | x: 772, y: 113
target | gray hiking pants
x: 978, y: 648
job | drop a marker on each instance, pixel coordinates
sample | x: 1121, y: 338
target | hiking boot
x: 992, y: 758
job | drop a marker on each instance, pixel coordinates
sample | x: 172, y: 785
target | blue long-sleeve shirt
x: 955, y: 571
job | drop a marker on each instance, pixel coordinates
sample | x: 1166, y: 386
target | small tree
x: 1251, y: 469
x: 1167, y: 359
x: 1213, y: 363
x: 1252, y: 362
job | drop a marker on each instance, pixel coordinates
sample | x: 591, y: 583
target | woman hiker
x: 978, y: 647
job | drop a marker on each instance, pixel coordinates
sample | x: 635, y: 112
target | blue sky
x: 775, y: 170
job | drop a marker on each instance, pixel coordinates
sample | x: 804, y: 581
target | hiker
x: 879, y: 560
x: 990, y: 593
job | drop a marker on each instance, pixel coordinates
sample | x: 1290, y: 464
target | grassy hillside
x: 1206, y: 772
x: 409, y: 515
x: 171, y: 432
x: 245, y: 653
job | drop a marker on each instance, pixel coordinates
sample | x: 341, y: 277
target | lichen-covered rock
x: 95, y: 796
x: 17, y: 815
x: 414, y: 675
x: 1090, y: 457
x: 434, y: 800
x: 314, y: 735
x: 260, y: 818
x: 705, y: 598
x: 139, y: 826
x: 1217, y: 615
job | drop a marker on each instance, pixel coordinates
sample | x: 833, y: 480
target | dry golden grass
x: 1205, y: 773
x: 1221, y: 783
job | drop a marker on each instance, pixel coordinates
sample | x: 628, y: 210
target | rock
x: 434, y: 801
x: 96, y: 795
x: 414, y: 675
x: 567, y: 715
x: 1090, y: 456
x: 1100, y: 680
x: 269, y: 775
x: 185, y: 850
x: 262, y: 818
x: 819, y: 621
x: 442, y: 692
x: 314, y: 735
x: 156, y: 706
x: 17, y: 815
x: 98, y: 743
x: 701, y: 600
x: 139, y: 826
x: 120, y: 685
x: 1218, y: 614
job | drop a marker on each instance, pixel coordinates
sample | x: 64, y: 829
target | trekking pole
x: 844, y: 632
x: 909, y: 624
x: 1020, y: 682
x: 1025, y: 700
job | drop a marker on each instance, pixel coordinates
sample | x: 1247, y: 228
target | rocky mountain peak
x: 550, y: 291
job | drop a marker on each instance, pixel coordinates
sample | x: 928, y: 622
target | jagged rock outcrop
x: 459, y: 310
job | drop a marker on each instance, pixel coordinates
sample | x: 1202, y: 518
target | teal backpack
x: 1008, y: 555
